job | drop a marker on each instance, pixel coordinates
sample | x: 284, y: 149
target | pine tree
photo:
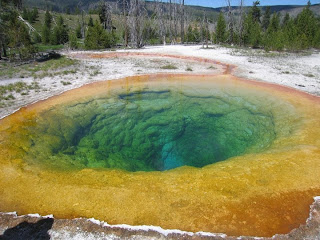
x: 266, y: 18
x: 60, y: 32
x: 205, y: 34
x: 316, y: 39
x: 274, y: 23
x: 77, y: 10
x: 35, y: 14
x: 221, y: 29
x: 190, y: 36
x: 196, y: 34
x: 98, y: 38
x: 25, y: 13
x: 90, y: 23
x: 255, y: 12
x: 46, y: 29
x: 4, y: 12
x: 78, y: 30
x: 73, y: 42
x: 13, y: 33
x: 306, y: 25
x: 252, y: 29
x: 274, y: 38
x: 47, y: 19
x: 45, y: 34
x: 251, y: 32
x: 286, y: 19
x: 19, y: 38
x: 291, y: 35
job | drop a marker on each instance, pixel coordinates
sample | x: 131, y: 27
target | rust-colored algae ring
x: 81, y: 154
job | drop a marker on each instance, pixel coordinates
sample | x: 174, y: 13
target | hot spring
x: 197, y: 153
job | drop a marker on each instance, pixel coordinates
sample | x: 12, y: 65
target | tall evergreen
x: 255, y: 12
x: 98, y: 38
x: 35, y: 14
x: 30, y: 15
x: 266, y: 18
x: 251, y: 32
x: 60, y: 32
x: 307, y: 26
x: 25, y: 13
x: 274, y: 38
x: 221, y: 29
x: 286, y: 19
x: 78, y: 30
x: 73, y: 42
x: 46, y: 28
x: 19, y: 38
x: 47, y: 19
x: 189, y: 35
x: 13, y: 33
x: 90, y: 23
x: 274, y: 25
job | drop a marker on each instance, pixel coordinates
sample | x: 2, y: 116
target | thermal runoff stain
x: 197, y: 153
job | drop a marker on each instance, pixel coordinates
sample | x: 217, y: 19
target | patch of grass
x: 18, y: 87
x: 38, y: 70
x: 285, y: 72
x: 50, y: 68
x: 95, y: 73
x: 65, y: 83
x: 54, y: 64
x: 7, y: 70
x: 169, y: 66
x: 189, y: 69
x: 44, y: 48
x: 309, y: 75
x: 9, y: 97
x: 66, y: 72
x: 212, y: 67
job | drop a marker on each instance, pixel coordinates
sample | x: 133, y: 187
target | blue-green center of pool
x: 149, y: 130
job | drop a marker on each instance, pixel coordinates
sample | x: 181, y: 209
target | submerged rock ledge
x: 34, y: 226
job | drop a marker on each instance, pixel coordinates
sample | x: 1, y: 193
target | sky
x: 222, y: 3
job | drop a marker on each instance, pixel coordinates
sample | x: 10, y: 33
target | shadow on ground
x: 26, y: 230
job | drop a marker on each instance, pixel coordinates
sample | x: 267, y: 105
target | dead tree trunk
x: 206, y: 30
x: 175, y: 21
x: 123, y: 6
x: 170, y: 20
x: 105, y: 15
x: 241, y: 20
x: 83, y: 32
x: 137, y: 21
x: 230, y: 22
x: 125, y: 23
x: 160, y: 20
x: 182, y: 21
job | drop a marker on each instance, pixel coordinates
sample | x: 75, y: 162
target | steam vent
x: 195, y: 153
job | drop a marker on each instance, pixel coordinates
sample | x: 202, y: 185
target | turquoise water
x: 150, y: 130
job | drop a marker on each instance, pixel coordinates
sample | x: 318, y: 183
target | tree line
x: 271, y: 31
x: 129, y: 22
